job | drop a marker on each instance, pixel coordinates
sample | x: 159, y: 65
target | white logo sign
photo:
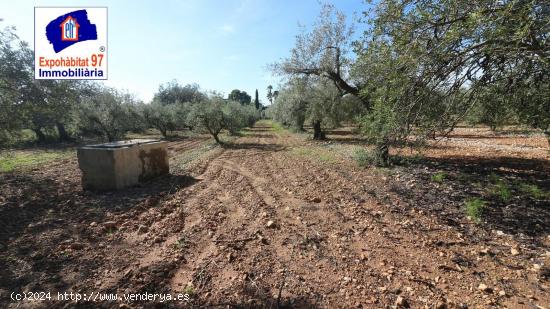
x: 70, y: 43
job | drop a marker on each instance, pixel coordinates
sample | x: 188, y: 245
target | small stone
x: 502, y: 293
x: 109, y: 224
x: 401, y: 302
x: 317, y: 200
x: 537, y: 266
x: 263, y: 240
x: 270, y: 224
x: 485, y: 251
x: 93, y: 224
x: 484, y: 288
x: 142, y: 229
x: 514, y: 251
x: 77, y: 246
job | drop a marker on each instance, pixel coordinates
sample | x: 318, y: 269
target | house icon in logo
x: 69, y: 29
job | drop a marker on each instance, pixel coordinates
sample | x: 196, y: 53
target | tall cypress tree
x: 257, y: 100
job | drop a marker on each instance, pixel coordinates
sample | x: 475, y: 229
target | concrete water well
x: 117, y: 165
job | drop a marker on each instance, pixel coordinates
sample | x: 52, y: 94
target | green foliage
x: 533, y: 190
x: 164, y: 118
x: 215, y: 115
x: 238, y: 116
x: 208, y: 117
x: 363, y: 157
x: 313, y: 100
x: 502, y: 190
x: 189, y: 290
x: 269, y: 94
x: 44, y: 106
x: 256, y: 100
x: 474, y: 208
x: 439, y: 177
x: 424, y: 65
x: 500, y: 187
x: 172, y: 92
x: 109, y: 113
x: 239, y: 96
x: 492, y: 109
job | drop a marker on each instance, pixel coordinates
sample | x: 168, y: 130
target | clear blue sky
x: 221, y: 45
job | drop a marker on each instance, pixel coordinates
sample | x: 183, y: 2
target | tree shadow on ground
x: 255, y: 146
x: 339, y: 132
x: 479, y: 136
x: 500, y: 182
x: 259, y: 128
x: 39, y: 213
x: 258, y: 135
x: 348, y: 141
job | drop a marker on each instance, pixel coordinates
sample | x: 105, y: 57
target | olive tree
x: 323, y: 52
x: 316, y: 101
x: 108, y: 113
x: 161, y: 117
x: 215, y: 114
x: 426, y: 64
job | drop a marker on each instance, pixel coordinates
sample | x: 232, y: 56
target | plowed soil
x: 253, y: 225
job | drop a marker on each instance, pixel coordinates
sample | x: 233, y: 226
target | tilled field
x: 255, y: 225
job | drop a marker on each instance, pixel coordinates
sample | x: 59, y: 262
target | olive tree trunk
x: 63, y: 135
x: 382, y: 153
x: 317, y: 131
x: 39, y: 135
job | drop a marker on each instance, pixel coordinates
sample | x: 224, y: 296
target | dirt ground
x: 260, y: 224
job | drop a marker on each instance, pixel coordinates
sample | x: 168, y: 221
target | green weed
x: 500, y: 188
x: 189, y: 290
x: 533, y: 190
x: 439, y: 177
x: 363, y: 157
x: 11, y: 161
x: 474, y: 208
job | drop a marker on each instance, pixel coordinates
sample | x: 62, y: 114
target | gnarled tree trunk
x: 63, y: 135
x: 382, y: 153
x: 39, y: 135
x: 317, y: 130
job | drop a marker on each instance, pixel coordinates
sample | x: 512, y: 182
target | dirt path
x: 258, y: 226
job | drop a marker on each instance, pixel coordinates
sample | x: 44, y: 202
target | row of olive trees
x: 420, y: 68
x: 68, y: 109
x: 111, y: 114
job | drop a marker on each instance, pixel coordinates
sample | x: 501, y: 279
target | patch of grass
x: 439, y: 177
x: 500, y: 188
x: 277, y: 127
x: 189, y: 289
x: 533, y: 190
x: 363, y: 157
x: 322, y: 155
x: 326, y: 157
x: 302, y: 151
x: 16, y: 160
x: 180, y: 243
x: 474, y: 208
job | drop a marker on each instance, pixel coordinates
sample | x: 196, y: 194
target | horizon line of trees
x: 69, y: 109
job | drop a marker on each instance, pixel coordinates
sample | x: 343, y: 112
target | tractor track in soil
x: 254, y: 225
